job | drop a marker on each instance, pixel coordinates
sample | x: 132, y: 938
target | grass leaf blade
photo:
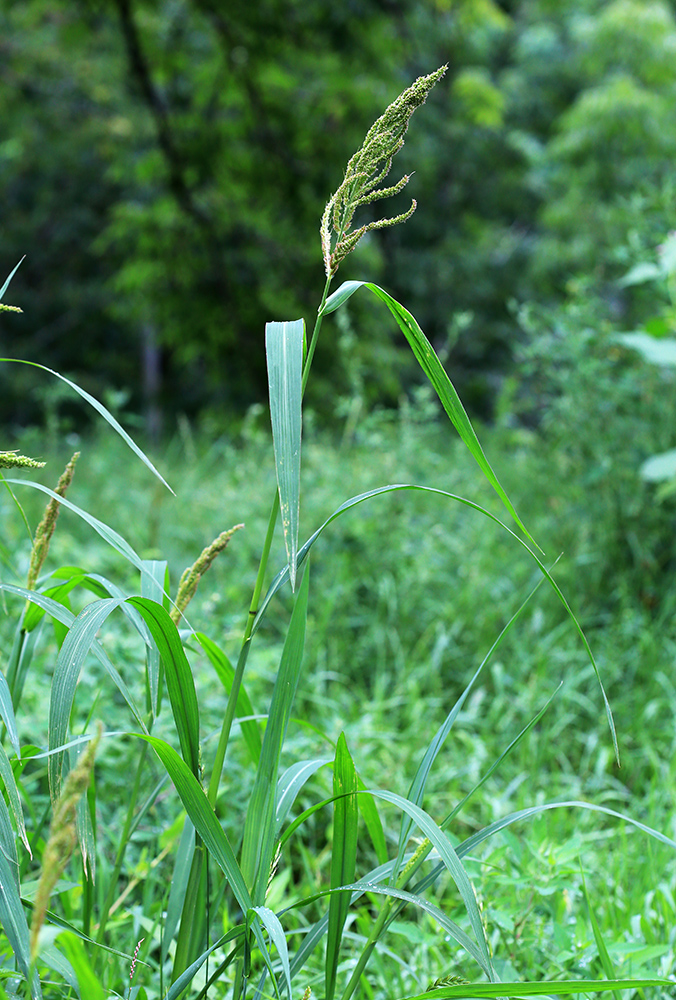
x: 343, y: 855
x: 284, y: 348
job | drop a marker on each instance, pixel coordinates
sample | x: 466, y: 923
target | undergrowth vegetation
x: 395, y: 777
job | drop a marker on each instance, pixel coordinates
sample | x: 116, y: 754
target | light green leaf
x: 489, y: 991
x: 88, y: 982
x: 9, y: 780
x: 659, y: 468
x: 434, y: 370
x: 258, y: 841
x: 13, y: 921
x: 7, y: 714
x: 11, y: 275
x: 284, y: 348
x: 659, y: 351
x: 276, y: 932
x: 290, y: 783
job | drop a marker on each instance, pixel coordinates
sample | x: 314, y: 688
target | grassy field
x: 408, y: 594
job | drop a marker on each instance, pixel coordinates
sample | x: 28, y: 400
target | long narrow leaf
x: 202, y: 816
x: 66, y: 617
x: 282, y: 576
x: 251, y: 730
x: 434, y: 370
x: 343, y: 855
x: 490, y: 991
x: 99, y: 407
x: 276, y: 932
x: 258, y: 842
x: 180, y: 683
x: 11, y: 275
x: 7, y: 714
x: 76, y: 646
x: 155, y: 585
x: 291, y: 783
x: 9, y: 780
x: 13, y: 920
x: 284, y: 349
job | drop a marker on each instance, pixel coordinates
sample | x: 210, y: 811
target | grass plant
x: 254, y: 826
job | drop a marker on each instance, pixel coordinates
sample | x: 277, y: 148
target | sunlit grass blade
x: 417, y: 790
x: 180, y: 683
x: 434, y: 370
x: 258, y: 842
x: 202, y: 816
x: 99, y: 407
x: 284, y: 348
x: 490, y: 991
x: 179, y: 881
x: 282, y: 576
x: 276, y: 933
x: 7, y: 776
x: 343, y: 855
x: 61, y: 614
x: 372, y: 822
x: 251, y: 730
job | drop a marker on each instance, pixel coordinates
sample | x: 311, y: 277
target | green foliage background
x: 165, y: 163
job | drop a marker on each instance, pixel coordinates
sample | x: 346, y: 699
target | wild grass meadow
x: 394, y: 771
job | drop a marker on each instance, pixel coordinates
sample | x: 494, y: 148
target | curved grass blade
x: 180, y: 683
x: 289, y: 785
x: 109, y: 535
x: 251, y: 730
x: 417, y: 790
x: 202, y: 816
x: 276, y: 933
x: 452, y: 863
x: 258, y: 841
x: 155, y: 585
x: 343, y: 855
x: 284, y: 349
x: 282, y: 576
x: 490, y: 991
x: 99, y: 407
x: 66, y: 617
x: 434, y: 370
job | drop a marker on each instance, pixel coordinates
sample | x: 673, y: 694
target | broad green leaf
x: 343, y: 855
x: 276, y: 933
x: 282, y: 576
x: 434, y: 370
x: 251, y: 730
x: 180, y: 683
x: 658, y: 351
x: 202, y: 816
x: 489, y: 991
x: 99, y: 407
x: 284, y: 348
x: 258, y: 841
x: 659, y: 468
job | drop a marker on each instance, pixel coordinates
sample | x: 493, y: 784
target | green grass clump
x: 321, y: 786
